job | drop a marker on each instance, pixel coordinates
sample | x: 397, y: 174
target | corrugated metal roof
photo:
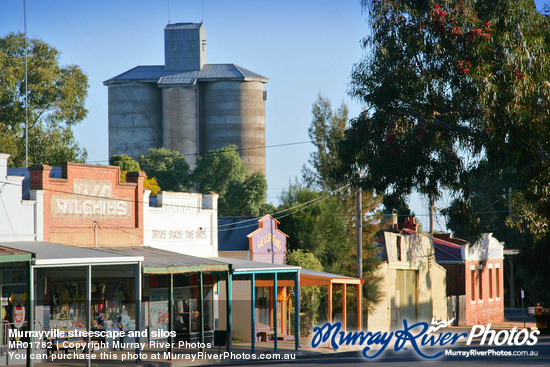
x: 161, y: 261
x: 446, y: 251
x: 326, y: 275
x: 239, y: 265
x: 144, y: 73
x: 232, y: 232
x: 49, y: 253
x: 183, y: 26
x: 187, y: 78
x: 8, y: 254
x: 210, y: 72
x: 313, y: 278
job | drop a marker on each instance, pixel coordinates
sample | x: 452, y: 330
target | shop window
x: 480, y: 280
x: 14, y: 276
x: 262, y: 306
x: 498, y: 281
x: 61, y: 302
x: 473, y: 284
x: 490, y: 283
x: 187, y: 310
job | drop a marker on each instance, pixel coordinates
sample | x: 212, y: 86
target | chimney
x: 39, y: 176
x: 410, y: 223
x: 3, y: 166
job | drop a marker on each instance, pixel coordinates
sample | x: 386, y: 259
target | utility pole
x: 431, y: 198
x: 26, y: 89
x: 359, y: 233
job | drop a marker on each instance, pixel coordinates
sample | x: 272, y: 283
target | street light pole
x: 359, y: 233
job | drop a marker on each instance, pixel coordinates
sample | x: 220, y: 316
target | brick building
x: 88, y: 205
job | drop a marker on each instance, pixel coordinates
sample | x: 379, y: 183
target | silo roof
x: 183, y: 26
x: 210, y: 72
x: 148, y: 73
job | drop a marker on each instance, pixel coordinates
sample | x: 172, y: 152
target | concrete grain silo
x: 136, y: 112
x: 188, y: 105
x: 234, y: 113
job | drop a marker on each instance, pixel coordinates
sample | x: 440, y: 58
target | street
x: 403, y: 358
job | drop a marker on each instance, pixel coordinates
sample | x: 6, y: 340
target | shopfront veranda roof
x: 158, y: 261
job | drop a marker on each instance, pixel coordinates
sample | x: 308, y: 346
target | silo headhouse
x: 188, y: 105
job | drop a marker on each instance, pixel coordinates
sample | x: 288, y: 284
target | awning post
x: 137, y: 294
x: 275, y: 311
x: 229, y: 303
x: 297, y: 310
x: 170, y: 312
x: 344, y: 313
x: 88, y: 311
x: 201, y: 314
x: 253, y: 310
x: 359, y: 307
x: 330, y: 302
x: 30, y: 318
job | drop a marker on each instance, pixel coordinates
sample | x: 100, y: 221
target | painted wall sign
x: 178, y: 234
x: 268, y: 238
x: 90, y: 198
x: 182, y: 222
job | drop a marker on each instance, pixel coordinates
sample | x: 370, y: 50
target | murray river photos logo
x: 419, y: 336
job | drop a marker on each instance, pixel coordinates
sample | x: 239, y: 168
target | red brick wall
x: 484, y: 309
x: 88, y: 193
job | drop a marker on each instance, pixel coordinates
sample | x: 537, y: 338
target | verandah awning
x: 157, y: 261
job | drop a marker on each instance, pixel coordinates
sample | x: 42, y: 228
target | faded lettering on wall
x: 178, y: 234
x: 90, y: 198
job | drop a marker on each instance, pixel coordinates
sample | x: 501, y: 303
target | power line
x: 298, y: 208
x: 213, y: 152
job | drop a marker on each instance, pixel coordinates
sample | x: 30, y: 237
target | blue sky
x: 305, y: 47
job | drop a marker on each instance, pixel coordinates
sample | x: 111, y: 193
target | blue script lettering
x: 339, y: 338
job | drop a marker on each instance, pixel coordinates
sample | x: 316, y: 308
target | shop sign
x: 90, y: 198
x: 18, y: 314
x: 268, y: 238
x: 178, y: 234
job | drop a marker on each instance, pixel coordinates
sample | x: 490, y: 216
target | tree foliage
x: 326, y: 131
x: 310, y: 297
x: 325, y: 224
x: 457, y: 94
x: 447, y: 84
x: 127, y: 164
x: 216, y: 170
x: 490, y: 210
x: 224, y: 172
x: 318, y: 228
x: 56, y: 97
x: 169, y: 168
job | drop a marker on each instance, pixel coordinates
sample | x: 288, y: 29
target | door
x: 406, y: 296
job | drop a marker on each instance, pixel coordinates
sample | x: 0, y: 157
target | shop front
x: 187, y: 285
x: 251, y: 291
x: 80, y: 289
x: 14, y: 285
